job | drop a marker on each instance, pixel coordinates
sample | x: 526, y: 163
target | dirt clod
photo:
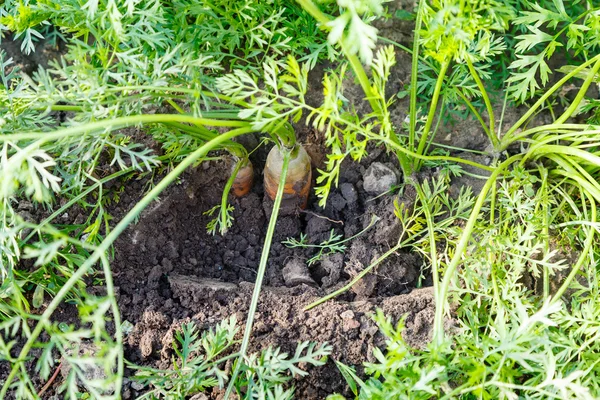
x: 349, y: 192
x: 333, y: 266
x: 296, y: 273
x: 379, y: 178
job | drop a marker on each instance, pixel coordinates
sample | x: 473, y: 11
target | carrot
x: 298, y: 180
x: 243, y: 180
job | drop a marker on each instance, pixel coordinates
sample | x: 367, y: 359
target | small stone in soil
x: 349, y: 192
x: 147, y: 345
x: 348, y: 314
x: 350, y: 324
x: 137, y: 386
x: 378, y: 178
x: 333, y: 264
x: 296, y: 273
x: 337, y: 202
x: 365, y: 287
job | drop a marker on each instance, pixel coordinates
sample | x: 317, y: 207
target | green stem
x: 414, y: 78
x: 438, y: 322
x: 118, y: 123
x: 548, y: 132
x: 571, y: 169
x: 198, y: 131
x: 176, y: 106
x: 417, y: 156
x: 44, y: 319
x: 475, y: 112
x: 545, y: 228
x: 488, y: 104
x: 559, y: 149
x: 432, y: 109
x: 223, y: 215
x: 432, y: 244
x: 205, y: 134
x: 60, y: 107
x: 437, y: 126
x: 363, y: 79
x: 260, y: 273
x: 313, y: 10
x: 503, y: 113
x: 110, y: 293
x: 493, y: 206
x: 580, y: 94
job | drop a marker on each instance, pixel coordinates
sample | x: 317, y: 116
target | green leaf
x: 335, y: 396
x: 405, y: 15
x: 38, y: 296
x: 350, y: 376
x: 528, y: 41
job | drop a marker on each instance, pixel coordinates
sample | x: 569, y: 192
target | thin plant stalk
x: 119, y: 123
x: 205, y: 134
x: 580, y: 94
x: 548, y: 133
x: 101, y: 250
x: 422, y: 157
x: 475, y: 112
x: 432, y: 108
x: 546, y: 228
x: 223, y: 216
x: 488, y: 104
x: 414, y: 77
x: 260, y: 274
x: 437, y: 125
x: 432, y: 245
x: 110, y: 292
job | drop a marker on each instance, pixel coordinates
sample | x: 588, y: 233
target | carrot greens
x: 513, y: 266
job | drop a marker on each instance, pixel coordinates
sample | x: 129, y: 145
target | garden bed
x: 169, y: 270
x: 438, y: 260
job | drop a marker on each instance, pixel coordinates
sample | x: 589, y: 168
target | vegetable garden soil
x: 169, y: 270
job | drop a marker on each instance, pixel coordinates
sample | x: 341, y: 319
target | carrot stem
x: 260, y: 274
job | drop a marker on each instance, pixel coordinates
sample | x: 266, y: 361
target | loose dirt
x: 170, y: 270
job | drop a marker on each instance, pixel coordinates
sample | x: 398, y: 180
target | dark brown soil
x: 169, y: 269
